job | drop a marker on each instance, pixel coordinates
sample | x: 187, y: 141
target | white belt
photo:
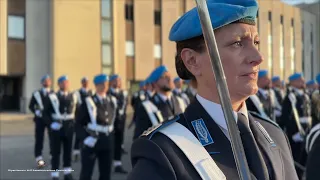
x: 100, y: 128
x: 62, y: 117
x: 305, y: 120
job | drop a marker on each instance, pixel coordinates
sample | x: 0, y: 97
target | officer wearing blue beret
x: 179, y: 92
x: 311, y: 86
x: 195, y: 144
x: 161, y: 106
x: 38, y: 104
x: 296, y: 116
x: 122, y: 99
x: 81, y: 94
x: 97, y: 118
x: 61, y: 113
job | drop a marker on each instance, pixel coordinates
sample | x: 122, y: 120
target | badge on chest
x: 202, y: 132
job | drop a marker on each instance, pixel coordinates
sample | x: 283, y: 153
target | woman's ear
x: 191, y: 61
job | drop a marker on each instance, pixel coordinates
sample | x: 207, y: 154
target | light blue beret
x: 176, y: 79
x: 62, y: 78
x: 295, y: 76
x: 275, y: 78
x: 101, y: 78
x: 311, y: 82
x: 142, y: 83
x: 222, y: 12
x: 262, y: 73
x: 318, y: 78
x: 43, y: 78
x: 113, y: 77
x: 84, y: 79
x: 157, y: 73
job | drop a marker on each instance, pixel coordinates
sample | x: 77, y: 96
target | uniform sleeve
x: 142, y: 121
x: 82, y: 118
x: 286, y: 113
x: 32, y: 104
x: 149, y: 162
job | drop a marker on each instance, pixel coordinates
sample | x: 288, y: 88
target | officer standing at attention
x: 120, y: 121
x: 266, y: 97
x: 178, y: 90
x: 161, y: 106
x: 81, y: 94
x: 62, y: 113
x: 97, y: 118
x: 39, y: 102
x: 296, y: 117
x: 311, y: 87
x: 278, y: 88
x: 200, y: 133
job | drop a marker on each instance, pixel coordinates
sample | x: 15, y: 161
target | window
x: 107, y: 70
x: 129, y: 12
x: 157, y: 18
x: 302, y: 46
x: 106, y: 8
x: 129, y: 48
x: 106, y: 30
x: 157, y: 51
x: 292, y: 49
x: 106, y: 55
x: 16, y: 27
x: 282, y: 69
x: 106, y: 36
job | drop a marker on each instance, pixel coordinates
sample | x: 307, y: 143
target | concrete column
x: 38, y: 45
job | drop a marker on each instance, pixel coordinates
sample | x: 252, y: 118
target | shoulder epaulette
x: 257, y: 115
x: 152, y: 130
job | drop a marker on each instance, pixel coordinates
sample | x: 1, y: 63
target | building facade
x: 127, y: 37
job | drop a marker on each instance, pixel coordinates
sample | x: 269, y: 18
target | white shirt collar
x: 216, y: 113
x: 150, y: 93
x: 299, y: 91
x: 45, y: 90
x: 63, y: 92
x: 101, y: 97
x: 164, y: 97
x: 84, y: 89
x: 264, y: 92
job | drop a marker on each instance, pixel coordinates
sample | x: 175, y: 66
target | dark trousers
x: 119, y: 138
x: 40, y: 127
x: 76, y: 142
x: 62, y: 137
x: 104, y: 156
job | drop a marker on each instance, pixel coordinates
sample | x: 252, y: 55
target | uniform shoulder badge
x: 257, y: 115
x: 202, y: 132
x: 152, y: 130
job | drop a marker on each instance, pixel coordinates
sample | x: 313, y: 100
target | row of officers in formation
x: 183, y: 135
x: 98, y: 117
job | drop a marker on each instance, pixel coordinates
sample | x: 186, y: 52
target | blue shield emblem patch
x: 202, y: 132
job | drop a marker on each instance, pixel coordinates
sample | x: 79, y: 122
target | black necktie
x: 254, y: 157
x: 169, y: 104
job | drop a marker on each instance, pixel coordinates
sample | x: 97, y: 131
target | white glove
x: 55, y: 126
x: 297, y: 137
x: 90, y: 141
x: 121, y: 112
x: 38, y: 113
